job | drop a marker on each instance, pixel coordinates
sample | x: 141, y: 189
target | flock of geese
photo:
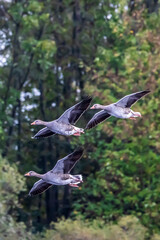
x: 65, y: 125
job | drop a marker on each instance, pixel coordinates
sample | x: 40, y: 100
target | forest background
x: 53, y: 53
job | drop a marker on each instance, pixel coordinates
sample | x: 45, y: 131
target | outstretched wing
x: 65, y: 164
x: 71, y: 115
x: 39, y: 187
x: 44, y: 132
x: 97, y: 118
x: 129, y: 100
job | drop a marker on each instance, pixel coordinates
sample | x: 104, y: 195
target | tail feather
x: 79, y: 177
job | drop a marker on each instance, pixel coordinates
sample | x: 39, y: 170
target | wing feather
x: 44, y: 132
x: 39, y: 187
x: 129, y: 100
x: 97, y: 118
x: 71, y: 115
x: 66, y: 164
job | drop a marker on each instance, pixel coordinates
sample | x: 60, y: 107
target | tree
x: 55, y: 53
x: 123, y: 175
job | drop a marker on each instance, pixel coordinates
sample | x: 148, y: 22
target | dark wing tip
x: 87, y: 99
x: 89, y: 126
x: 92, y: 123
x: 30, y: 193
x: 143, y: 93
x: 34, y: 137
x: 79, y: 150
x: 34, y: 192
x: 147, y: 91
x: 99, y: 117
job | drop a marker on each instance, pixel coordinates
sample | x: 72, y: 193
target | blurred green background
x: 53, y: 53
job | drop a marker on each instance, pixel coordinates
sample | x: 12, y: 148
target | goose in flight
x: 64, y: 125
x: 120, y: 109
x: 59, y: 175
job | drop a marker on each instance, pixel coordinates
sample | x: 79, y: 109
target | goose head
x: 96, y: 106
x: 30, y: 174
x: 37, y: 122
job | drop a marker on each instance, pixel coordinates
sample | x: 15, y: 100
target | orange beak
x: 92, y: 107
x: 33, y: 123
x: 27, y: 174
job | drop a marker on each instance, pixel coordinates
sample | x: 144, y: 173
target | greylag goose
x: 64, y: 124
x: 59, y: 175
x: 120, y: 109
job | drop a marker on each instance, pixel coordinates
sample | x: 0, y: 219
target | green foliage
x: 11, y: 184
x: 121, y: 182
x: 9, y: 229
x: 55, y: 53
x: 122, y: 170
x: 127, y: 228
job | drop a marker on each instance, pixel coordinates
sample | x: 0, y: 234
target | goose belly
x: 63, y: 129
x: 57, y: 179
x: 58, y: 182
x: 120, y: 112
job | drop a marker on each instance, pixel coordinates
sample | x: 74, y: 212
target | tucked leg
x: 132, y: 118
x: 73, y: 185
x: 77, y: 134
